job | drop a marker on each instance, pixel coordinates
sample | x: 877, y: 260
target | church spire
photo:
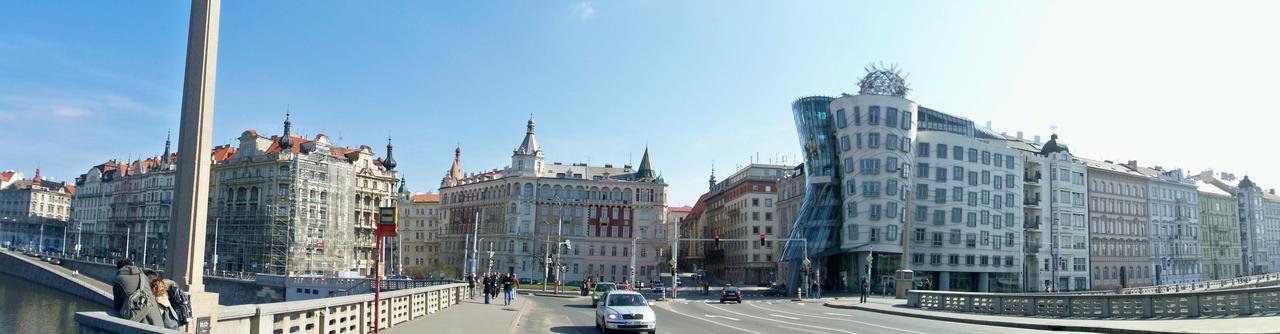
x: 165, y: 157
x: 711, y: 183
x: 646, y: 167
x: 286, y: 142
x: 530, y: 144
x: 389, y: 163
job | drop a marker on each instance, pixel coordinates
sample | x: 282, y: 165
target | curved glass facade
x: 819, y: 218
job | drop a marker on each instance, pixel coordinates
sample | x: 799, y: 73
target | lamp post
x: 558, y: 266
x: 490, y: 267
x: 546, y: 263
x: 904, y: 275
x: 631, y: 279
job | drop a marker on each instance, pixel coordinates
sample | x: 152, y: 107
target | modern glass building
x: 819, y: 218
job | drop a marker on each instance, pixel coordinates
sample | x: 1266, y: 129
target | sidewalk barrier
x: 349, y: 314
x: 1231, y: 302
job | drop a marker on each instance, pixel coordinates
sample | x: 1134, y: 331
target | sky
x: 1176, y: 84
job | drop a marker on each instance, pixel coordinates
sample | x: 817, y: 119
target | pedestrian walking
x: 866, y: 288
x: 471, y: 286
x: 515, y: 290
x: 132, y: 296
x: 508, y: 285
x: 486, y: 288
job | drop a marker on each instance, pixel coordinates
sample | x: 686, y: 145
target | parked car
x: 625, y: 311
x: 731, y: 293
x: 55, y: 262
x: 601, y: 289
x: 658, y: 288
x: 777, y: 291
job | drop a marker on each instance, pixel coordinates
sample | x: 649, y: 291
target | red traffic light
x: 762, y: 240
x: 717, y: 238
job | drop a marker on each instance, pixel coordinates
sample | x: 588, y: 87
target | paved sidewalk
x: 471, y: 316
x: 100, y: 285
x: 1261, y: 324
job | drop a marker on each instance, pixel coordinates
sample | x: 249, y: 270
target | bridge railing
x: 1230, y: 302
x: 349, y: 314
x: 1226, y: 283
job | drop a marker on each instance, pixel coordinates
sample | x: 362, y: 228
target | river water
x: 27, y: 307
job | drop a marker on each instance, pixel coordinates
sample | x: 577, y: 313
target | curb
x: 519, y: 316
x: 1069, y: 328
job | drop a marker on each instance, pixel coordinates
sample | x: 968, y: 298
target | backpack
x: 181, y: 304
x: 139, y: 304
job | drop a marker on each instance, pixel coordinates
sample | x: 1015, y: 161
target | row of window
x: 959, y: 153
x: 892, y: 117
x: 958, y: 173
x: 971, y: 240
x: 969, y: 260
x: 891, y: 142
x: 971, y: 218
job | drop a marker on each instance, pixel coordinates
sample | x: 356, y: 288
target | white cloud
x: 584, y: 10
x: 69, y: 112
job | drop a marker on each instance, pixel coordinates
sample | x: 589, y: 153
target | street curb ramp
x: 1068, y: 328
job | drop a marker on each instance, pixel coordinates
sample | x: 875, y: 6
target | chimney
x: 1019, y: 135
x: 1272, y: 191
x: 1133, y: 164
x: 988, y: 124
x: 1108, y: 161
x: 1037, y: 142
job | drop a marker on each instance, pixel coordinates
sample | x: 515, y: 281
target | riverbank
x: 54, y: 277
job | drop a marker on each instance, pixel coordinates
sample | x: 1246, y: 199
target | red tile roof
x: 297, y: 144
x: 7, y: 175
x: 221, y: 153
x: 424, y: 198
x: 685, y: 208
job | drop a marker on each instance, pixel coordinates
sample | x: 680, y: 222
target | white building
x: 34, y: 212
x: 1173, y: 206
x: 966, y: 206
x: 1056, y: 223
x: 1259, y: 213
x: 520, y: 211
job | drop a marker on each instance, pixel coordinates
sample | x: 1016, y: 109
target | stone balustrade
x: 348, y: 314
x: 1211, y: 303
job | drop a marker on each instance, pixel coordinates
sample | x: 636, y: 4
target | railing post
x: 968, y: 303
x: 1248, y: 303
x: 999, y: 304
x: 942, y: 302
x: 1106, y: 306
x: 1068, y: 307
x: 1194, y: 308
x: 1031, y: 311
x: 1146, y: 307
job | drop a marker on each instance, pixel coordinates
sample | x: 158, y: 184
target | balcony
x: 1031, y: 248
x: 1032, y: 202
x: 1032, y: 178
x: 1031, y: 223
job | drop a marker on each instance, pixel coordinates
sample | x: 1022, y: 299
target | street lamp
x: 490, y: 267
x: 559, y: 266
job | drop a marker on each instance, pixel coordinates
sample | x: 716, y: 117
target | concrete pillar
x: 983, y: 285
x: 191, y: 189
x: 944, y: 281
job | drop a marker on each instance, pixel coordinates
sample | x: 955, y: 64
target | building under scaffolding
x: 290, y: 205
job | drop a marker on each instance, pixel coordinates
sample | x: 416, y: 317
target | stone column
x: 984, y: 282
x: 944, y: 281
x: 185, y: 262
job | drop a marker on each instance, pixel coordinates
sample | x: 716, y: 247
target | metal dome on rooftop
x: 883, y: 81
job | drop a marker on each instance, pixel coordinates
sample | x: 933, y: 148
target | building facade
x: 292, y: 205
x: 419, y: 235
x: 1174, y: 218
x: 34, y: 213
x: 1120, y: 247
x: 123, y: 208
x: 1056, y: 231
x: 966, y: 206
x: 519, y: 214
x: 1219, y: 232
x: 745, y: 208
x: 675, y: 217
x: 1258, y: 214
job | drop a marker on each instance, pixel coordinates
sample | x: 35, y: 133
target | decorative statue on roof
x: 883, y: 81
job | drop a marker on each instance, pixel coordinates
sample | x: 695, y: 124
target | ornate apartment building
x: 1120, y: 246
x: 123, y: 208
x: 292, y: 205
x: 1173, y: 209
x: 420, y: 231
x: 1055, y: 227
x: 520, y: 212
x: 1219, y: 232
x: 34, y: 212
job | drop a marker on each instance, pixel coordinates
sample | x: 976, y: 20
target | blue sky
x: 1170, y: 84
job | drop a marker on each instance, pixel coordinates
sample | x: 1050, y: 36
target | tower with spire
x: 389, y: 163
x: 454, y: 174
x: 527, y: 159
x: 711, y: 183
x: 286, y: 140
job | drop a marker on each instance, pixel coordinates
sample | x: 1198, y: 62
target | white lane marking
x: 801, y: 304
x: 830, y: 318
x: 833, y: 330
x: 839, y: 314
x: 783, y: 316
x: 720, y: 316
x: 673, y: 310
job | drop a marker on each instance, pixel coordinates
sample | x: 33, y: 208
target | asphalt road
x: 757, y: 316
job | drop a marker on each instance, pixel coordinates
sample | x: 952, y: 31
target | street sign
x: 387, y: 220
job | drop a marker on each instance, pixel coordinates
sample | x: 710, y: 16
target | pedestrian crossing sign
x: 387, y: 221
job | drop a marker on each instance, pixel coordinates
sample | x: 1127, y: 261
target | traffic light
x: 717, y: 238
x: 762, y: 240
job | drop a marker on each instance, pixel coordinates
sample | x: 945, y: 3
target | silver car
x: 625, y: 311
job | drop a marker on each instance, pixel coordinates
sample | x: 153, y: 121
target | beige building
x: 419, y: 235
x: 1120, y: 247
x: 743, y: 206
x: 293, y: 205
x: 520, y: 212
x: 675, y: 216
x: 34, y: 212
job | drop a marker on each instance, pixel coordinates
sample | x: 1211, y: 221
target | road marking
x: 720, y: 316
x: 783, y: 316
x: 839, y: 319
x: 832, y: 330
x: 839, y: 314
x: 673, y: 310
x: 801, y: 304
